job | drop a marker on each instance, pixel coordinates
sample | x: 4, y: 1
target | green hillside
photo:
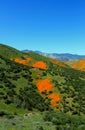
x: 8, y: 52
x: 20, y: 92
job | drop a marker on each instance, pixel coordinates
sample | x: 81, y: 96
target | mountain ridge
x: 59, y: 56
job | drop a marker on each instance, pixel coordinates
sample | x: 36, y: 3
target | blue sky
x: 46, y: 25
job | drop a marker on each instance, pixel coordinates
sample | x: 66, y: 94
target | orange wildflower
x: 20, y: 61
x: 80, y: 64
x: 28, y: 59
x: 44, y: 85
x: 57, y: 63
x: 54, y: 99
x: 39, y: 64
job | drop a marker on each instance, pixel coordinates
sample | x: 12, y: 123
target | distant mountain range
x: 62, y: 56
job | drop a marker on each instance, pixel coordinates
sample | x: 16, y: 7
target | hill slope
x: 18, y: 77
x: 30, y: 82
x: 80, y: 64
x: 8, y: 52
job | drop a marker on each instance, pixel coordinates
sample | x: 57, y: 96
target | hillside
x: 77, y: 64
x: 30, y: 82
x: 8, y: 52
x: 80, y: 64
